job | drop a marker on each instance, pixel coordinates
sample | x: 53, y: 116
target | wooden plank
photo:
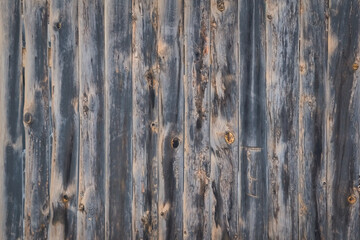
x: 171, y: 117
x: 118, y: 115
x: 224, y: 120
x: 11, y: 133
x: 282, y: 92
x: 65, y: 119
x: 197, y: 184
x: 312, y: 154
x: 252, y: 136
x: 145, y: 119
x: 36, y: 120
x: 342, y: 120
x: 91, y: 186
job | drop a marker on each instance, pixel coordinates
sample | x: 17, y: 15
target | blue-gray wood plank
x: 179, y: 119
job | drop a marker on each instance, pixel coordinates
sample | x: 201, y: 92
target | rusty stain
x: 355, y: 66
x: 28, y: 118
x: 229, y: 138
x: 351, y: 199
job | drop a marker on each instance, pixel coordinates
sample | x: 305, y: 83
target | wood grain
x: 342, y: 123
x: 11, y: 133
x: 36, y: 120
x: 91, y: 186
x: 282, y: 96
x: 252, y: 127
x: 65, y: 119
x: 171, y: 117
x: 312, y: 151
x: 118, y: 118
x: 197, y: 165
x: 224, y: 120
x: 145, y: 72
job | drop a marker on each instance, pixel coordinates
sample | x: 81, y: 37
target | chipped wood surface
x: 179, y: 119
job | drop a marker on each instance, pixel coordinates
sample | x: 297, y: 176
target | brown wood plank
x: 91, y: 186
x: 36, y: 120
x: 312, y: 154
x: 282, y: 95
x: 145, y: 72
x: 197, y: 184
x: 11, y: 126
x: 224, y: 120
x: 171, y: 117
x: 65, y: 119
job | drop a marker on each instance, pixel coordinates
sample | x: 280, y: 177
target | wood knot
x: 220, y: 5
x: 81, y: 207
x: 355, y: 66
x: 229, y: 138
x: 351, y: 199
x: 65, y: 198
x: 58, y: 25
x: 28, y: 118
x: 175, y: 142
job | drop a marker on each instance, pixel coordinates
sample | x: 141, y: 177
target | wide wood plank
x: 11, y: 127
x: 224, y: 120
x: 342, y: 120
x: 171, y: 117
x: 145, y: 72
x: 118, y: 115
x: 197, y: 184
x: 282, y: 95
x: 312, y: 152
x: 91, y: 186
x: 36, y: 120
x: 65, y: 119
x: 252, y: 132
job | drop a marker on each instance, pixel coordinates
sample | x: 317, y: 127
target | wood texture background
x: 179, y: 119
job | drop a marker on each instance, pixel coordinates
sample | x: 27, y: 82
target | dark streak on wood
x: 11, y: 137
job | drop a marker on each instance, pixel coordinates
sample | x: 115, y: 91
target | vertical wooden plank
x: 282, y: 90
x: 252, y: 139
x: 312, y: 154
x: 342, y: 120
x: 11, y: 133
x: 91, y: 215
x: 65, y: 119
x: 197, y: 185
x: 224, y: 136
x: 118, y: 126
x: 36, y: 120
x: 145, y: 119
x: 171, y: 107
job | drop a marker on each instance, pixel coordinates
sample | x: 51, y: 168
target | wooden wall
x: 179, y: 119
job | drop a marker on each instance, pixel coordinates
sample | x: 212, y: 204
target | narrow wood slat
x: 171, y: 117
x: 118, y: 113
x: 36, y: 120
x: 224, y: 120
x: 11, y: 126
x: 312, y: 152
x: 197, y: 185
x: 342, y: 120
x: 282, y: 95
x: 253, y: 151
x: 65, y: 119
x: 145, y: 73
x: 91, y: 186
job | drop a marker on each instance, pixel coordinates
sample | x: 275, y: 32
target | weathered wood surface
x: 179, y: 119
x: 11, y: 133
